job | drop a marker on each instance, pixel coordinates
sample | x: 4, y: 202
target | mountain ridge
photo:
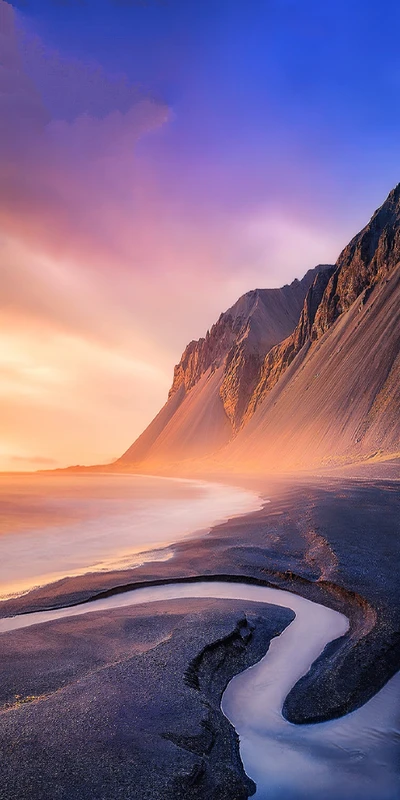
x: 249, y: 391
x: 216, y: 373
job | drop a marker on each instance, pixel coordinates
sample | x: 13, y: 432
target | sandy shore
x: 126, y: 703
x: 332, y: 539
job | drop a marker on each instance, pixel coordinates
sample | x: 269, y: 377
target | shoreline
x: 119, y: 722
x: 311, y: 628
x: 69, y: 529
x: 297, y: 543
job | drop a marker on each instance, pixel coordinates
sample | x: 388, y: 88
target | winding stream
x: 355, y: 757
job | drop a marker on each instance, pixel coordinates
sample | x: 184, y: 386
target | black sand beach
x: 334, y: 540
x: 127, y: 703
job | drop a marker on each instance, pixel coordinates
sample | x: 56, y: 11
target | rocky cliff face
x: 339, y: 399
x: 217, y: 374
x: 240, y: 340
x: 280, y: 357
x: 311, y: 369
x: 203, y: 354
x: 368, y: 258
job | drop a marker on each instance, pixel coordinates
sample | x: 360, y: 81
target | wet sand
x: 261, y: 689
x: 126, y: 703
x: 334, y: 540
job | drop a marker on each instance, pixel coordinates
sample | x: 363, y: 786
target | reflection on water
x: 354, y: 758
x: 52, y: 526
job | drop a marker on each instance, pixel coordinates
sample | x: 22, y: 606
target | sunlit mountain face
x: 199, y: 399
x: 157, y: 161
x: 256, y: 395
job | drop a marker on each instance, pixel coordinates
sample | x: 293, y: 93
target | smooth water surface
x: 52, y: 526
x: 353, y: 758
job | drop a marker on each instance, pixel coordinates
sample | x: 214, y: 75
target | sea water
x: 58, y: 525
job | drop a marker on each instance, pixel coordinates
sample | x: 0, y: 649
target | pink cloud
x: 101, y: 257
x: 54, y: 173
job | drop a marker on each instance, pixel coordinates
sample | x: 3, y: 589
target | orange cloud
x: 106, y: 272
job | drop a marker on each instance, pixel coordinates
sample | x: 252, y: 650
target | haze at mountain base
x: 296, y: 377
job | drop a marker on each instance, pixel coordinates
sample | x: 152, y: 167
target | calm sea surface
x: 52, y: 526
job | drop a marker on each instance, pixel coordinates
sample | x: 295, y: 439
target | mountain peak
x: 261, y: 317
x: 370, y: 256
x: 216, y: 374
x: 294, y: 375
x: 394, y: 194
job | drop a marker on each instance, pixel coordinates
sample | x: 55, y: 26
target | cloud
x: 111, y: 258
x: 54, y: 172
x: 32, y: 461
x: 71, y: 88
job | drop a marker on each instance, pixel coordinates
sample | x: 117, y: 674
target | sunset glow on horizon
x: 148, y: 179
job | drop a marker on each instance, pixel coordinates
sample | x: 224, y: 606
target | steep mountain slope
x: 262, y: 392
x: 370, y: 257
x: 280, y: 357
x: 217, y: 374
x: 340, y: 399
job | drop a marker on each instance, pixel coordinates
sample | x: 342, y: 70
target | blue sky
x: 253, y: 87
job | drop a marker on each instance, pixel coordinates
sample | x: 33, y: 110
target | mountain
x: 331, y: 391
x: 216, y: 375
x: 296, y: 377
x: 279, y: 357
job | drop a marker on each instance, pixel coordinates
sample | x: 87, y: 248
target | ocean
x: 58, y: 525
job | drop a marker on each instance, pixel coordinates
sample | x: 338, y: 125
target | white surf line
x: 114, y: 532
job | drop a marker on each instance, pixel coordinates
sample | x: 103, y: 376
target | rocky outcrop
x: 368, y: 258
x: 297, y: 375
x: 217, y: 374
x: 281, y: 356
x: 203, y: 354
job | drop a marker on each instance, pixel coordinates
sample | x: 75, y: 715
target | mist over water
x: 52, y: 526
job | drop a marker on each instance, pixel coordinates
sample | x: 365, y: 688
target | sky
x: 157, y: 160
